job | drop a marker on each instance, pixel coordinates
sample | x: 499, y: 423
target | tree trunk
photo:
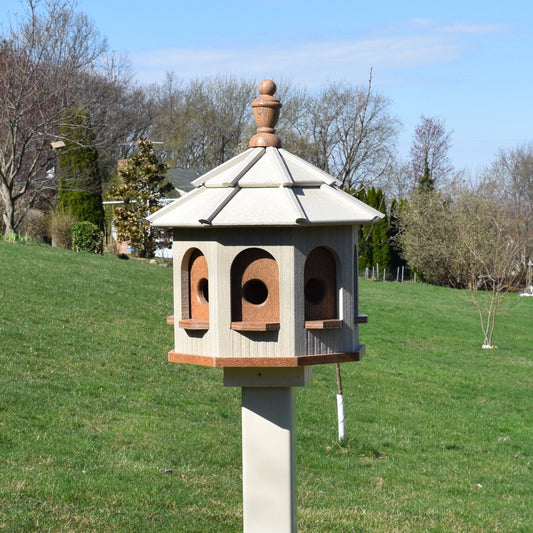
x: 8, y: 215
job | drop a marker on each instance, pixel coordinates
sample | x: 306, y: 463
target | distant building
x: 181, y: 178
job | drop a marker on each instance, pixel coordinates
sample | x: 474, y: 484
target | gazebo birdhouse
x: 265, y: 259
x: 265, y: 285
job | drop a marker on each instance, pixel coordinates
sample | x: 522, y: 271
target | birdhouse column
x: 268, y: 459
x: 268, y: 445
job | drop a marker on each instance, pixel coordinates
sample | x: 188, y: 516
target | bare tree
x: 203, y: 123
x: 351, y: 134
x: 38, y: 65
x: 121, y: 111
x: 429, y: 164
x: 490, y: 256
x: 509, y: 180
x: 346, y: 131
x: 464, y: 241
x: 54, y: 59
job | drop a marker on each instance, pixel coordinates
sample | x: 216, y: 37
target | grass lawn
x: 98, y: 432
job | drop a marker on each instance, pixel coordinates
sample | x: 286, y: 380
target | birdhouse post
x: 265, y: 286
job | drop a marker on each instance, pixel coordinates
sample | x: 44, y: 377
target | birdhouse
x: 265, y: 259
x: 265, y: 285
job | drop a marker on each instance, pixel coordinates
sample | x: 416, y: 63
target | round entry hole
x: 255, y: 292
x: 315, y: 291
x: 203, y: 291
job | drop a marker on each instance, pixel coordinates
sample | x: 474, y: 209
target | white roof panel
x: 303, y: 173
x: 325, y: 205
x: 261, y: 187
x: 253, y: 206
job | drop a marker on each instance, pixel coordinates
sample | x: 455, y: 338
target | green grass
x: 99, y: 433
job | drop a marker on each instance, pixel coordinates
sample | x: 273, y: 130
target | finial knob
x: 266, y: 113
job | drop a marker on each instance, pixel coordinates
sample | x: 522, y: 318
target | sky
x: 468, y: 63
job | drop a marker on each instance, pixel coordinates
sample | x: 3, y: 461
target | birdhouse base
x: 268, y: 377
x: 268, y: 362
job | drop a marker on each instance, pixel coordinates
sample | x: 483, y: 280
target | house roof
x: 182, y: 178
x: 265, y: 186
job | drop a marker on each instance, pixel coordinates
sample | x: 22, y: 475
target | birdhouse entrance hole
x: 315, y: 291
x: 203, y: 291
x: 255, y: 292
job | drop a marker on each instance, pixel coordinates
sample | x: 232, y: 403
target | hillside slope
x: 99, y: 433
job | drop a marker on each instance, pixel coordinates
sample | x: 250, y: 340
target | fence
x: 400, y: 274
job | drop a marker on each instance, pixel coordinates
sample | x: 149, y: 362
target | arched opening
x: 194, y: 290
x: 320, y: 290
x: 254, y: 291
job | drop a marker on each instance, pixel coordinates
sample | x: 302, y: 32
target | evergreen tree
x: 143, y: 186
x: 380, y: 233
x: 374, y: 246
x: 79, y: 179
x: 365, y: 236
x: 426, y: 181
x: 395, y: 258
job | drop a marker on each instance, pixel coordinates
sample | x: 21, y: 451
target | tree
x: 395, y: 258
x: 426, y: 237
x: 121, y: 112
x: 204, y: 123
x: 55, y: 59
x: 80, y: 187
x: 143, y: 186
x: 352, y: 135
x: 429, y: 164
x: 464, y: 241
x: 490, y: 257
x: 346, y: 131
x: 39, y: 64
x: 374, y: 248
x: 509, y: 180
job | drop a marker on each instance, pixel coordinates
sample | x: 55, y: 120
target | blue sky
x: 469, y: 63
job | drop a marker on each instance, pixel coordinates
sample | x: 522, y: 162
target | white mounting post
x: 268, y: 460
x: 268, y: 445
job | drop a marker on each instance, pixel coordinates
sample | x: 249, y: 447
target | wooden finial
x: 266, y: 113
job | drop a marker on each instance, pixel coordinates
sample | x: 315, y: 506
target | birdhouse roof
x: 265, y: 186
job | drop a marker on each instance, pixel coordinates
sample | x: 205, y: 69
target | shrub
x: 33, y: 225
x: 60, y: 225
x: 86, y: 237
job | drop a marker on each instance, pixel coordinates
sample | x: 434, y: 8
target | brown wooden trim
x: 170, y: 319
x: 361, y: 319
x: 193, y: 323
x: 201, y: 360
x: 268, y: 362
x: 255, y: 326
x: 332, y: 323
